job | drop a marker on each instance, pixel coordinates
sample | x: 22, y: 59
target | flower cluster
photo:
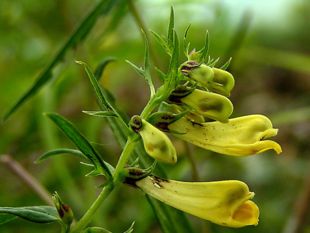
x: 198, y: 111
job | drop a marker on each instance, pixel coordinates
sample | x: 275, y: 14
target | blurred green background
x: 270, y: 45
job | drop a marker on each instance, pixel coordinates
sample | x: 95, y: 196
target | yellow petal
x: 245, y: 214
x: 222, y: 202
x: 239, y: 136
x: 223, y: 82
x: 202, y: 74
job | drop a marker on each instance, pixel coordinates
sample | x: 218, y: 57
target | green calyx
x: 135, y: 123
x: 64, y: 210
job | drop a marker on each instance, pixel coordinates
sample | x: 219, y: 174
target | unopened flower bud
x: 223, y: 82
x: 208, y: 104
x: 156, y: 143
x: 64, y: 211
x: 201, y: 73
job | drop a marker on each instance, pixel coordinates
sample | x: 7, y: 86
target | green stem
x: 128, y: 149
x: 85, y: 220
x: 87, y: 217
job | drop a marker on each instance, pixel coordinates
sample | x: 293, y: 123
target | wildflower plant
x: 192, y: 104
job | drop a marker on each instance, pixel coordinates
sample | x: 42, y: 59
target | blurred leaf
x: 130, y: 230
x: 78, y: 35
x: 38, y: 214
x: 161, y: 213
x: 5, y: 218
x: 100, y: 113
x: 278, y: 58
x: 81, y: 143
x: 291, y: 117
x: 170, y: 219
x: 96, y: 230
x: 100, y: 68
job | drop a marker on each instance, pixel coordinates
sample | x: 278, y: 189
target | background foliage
x: 269, y: 43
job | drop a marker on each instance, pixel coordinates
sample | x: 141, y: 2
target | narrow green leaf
x: 146, y: 55
x: 174, y: 62
x: 161, y: 212
x: 225, y: 66
x: 87, y: 164
x: 106, y: 93
x: 162, y: 42
x: 93, y: 173
x: 100, y: 95
x: 161, y: 74
x: 147, y: 65
x: 77, y: 36
x: 213, y: 62
x: 171, y: 30
x: 77, y: 153
x: 59, y: 151
x: 38, y: 214
x: 100, y: 113
x: 130, y: 230
x: 5, y: 218
x: 118, y: 126
x: 139, y: 70
x: 81, y: 143
x: 204, y: 52
x: 186, y: 45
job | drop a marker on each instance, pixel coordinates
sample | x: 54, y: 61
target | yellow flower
x: 239, y: 136
x: 222, y: 202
